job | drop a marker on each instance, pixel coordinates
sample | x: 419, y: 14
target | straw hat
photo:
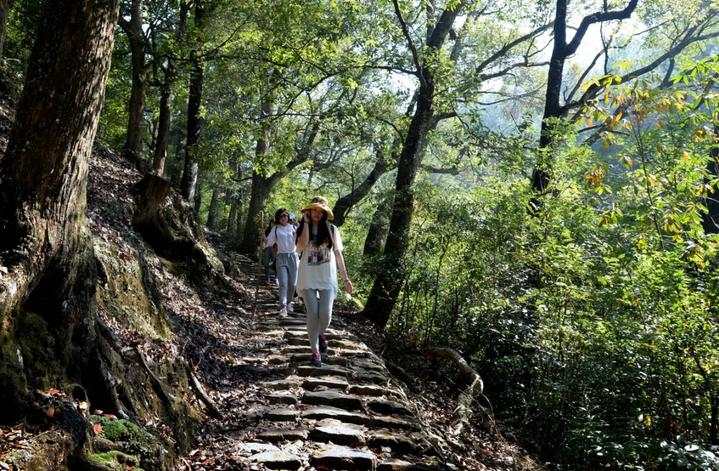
x: 319, y: 202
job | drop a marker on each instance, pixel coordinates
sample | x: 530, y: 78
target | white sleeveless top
x: 318, y: 265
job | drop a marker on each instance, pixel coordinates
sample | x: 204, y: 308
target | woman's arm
x: 340, y: 259
x: 271, y: 238
x: 342, y: 268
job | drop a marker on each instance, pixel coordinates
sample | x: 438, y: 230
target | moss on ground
x: 131, y: 439
x: 113, y: 460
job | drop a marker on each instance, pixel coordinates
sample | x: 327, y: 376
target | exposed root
x: 465, y: 401
x: 202, y: 394
x: 168, y: 225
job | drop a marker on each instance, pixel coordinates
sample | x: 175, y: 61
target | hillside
x: 206, y: 375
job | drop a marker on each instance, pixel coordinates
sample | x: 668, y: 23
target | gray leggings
x: 286, y: 268
x: 319, y: 313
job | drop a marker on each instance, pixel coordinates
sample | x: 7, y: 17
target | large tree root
x: 212, y: 408
x: 468, y: 375
x: 167, y: 223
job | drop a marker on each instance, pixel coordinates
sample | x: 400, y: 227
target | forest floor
x: 389, y: 408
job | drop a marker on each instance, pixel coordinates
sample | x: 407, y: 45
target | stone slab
x: 333, y: 399
x: 342, y: 457
x: 278, y: 460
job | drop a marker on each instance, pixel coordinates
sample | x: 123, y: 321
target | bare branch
x: 598, y: 17
x: 408, y: 37
x: 594, y: 89
x: 511, y: 45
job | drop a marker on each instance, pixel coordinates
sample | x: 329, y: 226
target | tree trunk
x: 561, y: 50
x: 552, y: 107
x: 390, y: 277
x: 5, y: 6
x: 251, y: 235
x: 260, y: 189
x: 194, y: 100
x: 177, y: 162
x: 378, y: 228
x: 710, y: 219
x: 132, y: 150
x: 344, y: 204
x: 47, y: 290
x: 213, y: 212
x: 231, y: 226
x: 163, y: 126
x: 197, y: 203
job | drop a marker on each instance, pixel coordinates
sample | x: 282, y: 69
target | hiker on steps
x: 282, y: 240
x: 268, y: 256
x: 320, y: 243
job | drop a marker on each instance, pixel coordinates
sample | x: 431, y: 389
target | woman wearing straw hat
x: 320, y: 243
x: 283, y: 234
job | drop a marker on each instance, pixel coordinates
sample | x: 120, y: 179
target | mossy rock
x: 131, y: 440
x: 112, y: 460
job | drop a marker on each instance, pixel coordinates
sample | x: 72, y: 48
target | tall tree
x: 262, y: 185
x: 5, y: 6
x: 132, y: 149
x: 686, y: 31
x: 389, y: 279
x: 159, y: 154
x: 165, y: 62
x: 377, y: 230
x: 194, y: 102
x: 47, y: 256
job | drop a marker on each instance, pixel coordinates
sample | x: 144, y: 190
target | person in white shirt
x: 320, y: 243
x: 282, y: 236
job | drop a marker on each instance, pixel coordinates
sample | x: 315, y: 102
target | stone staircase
x: 345, y: 415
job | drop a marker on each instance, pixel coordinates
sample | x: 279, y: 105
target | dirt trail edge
x: 281, y: 413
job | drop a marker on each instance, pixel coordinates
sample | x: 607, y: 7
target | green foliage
x: 593, y: 324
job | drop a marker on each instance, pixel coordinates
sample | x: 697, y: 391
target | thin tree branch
x: 598, y: 17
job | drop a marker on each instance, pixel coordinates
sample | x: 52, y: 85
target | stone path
x: 345, y: 415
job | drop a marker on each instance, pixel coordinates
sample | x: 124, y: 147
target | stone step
x: 371, y: 390
x: 325, y: 412
x: 308, y: 370
x: 281, y: 435
x: 340, y: 433
x: 401, y: 465
x: 278, y: 460
x: 283, y: 397
x: 370, y: 377
x: 294, y: 332
x: 352, y: 353
x: 346, y: 344
x: 292, y: 322
x: 396, y: 442
x: 251, y: 448
x: 385, y: 406
x: 330, y: 382
x: 393, y: 423
x: 354, y: 360
x: 344, y: 458
x: 282, y: 384
x: 333, y: 399
x: 305, y: 357
x: 277, y: 359
x: 304, y: 348
x: 281, y: 414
